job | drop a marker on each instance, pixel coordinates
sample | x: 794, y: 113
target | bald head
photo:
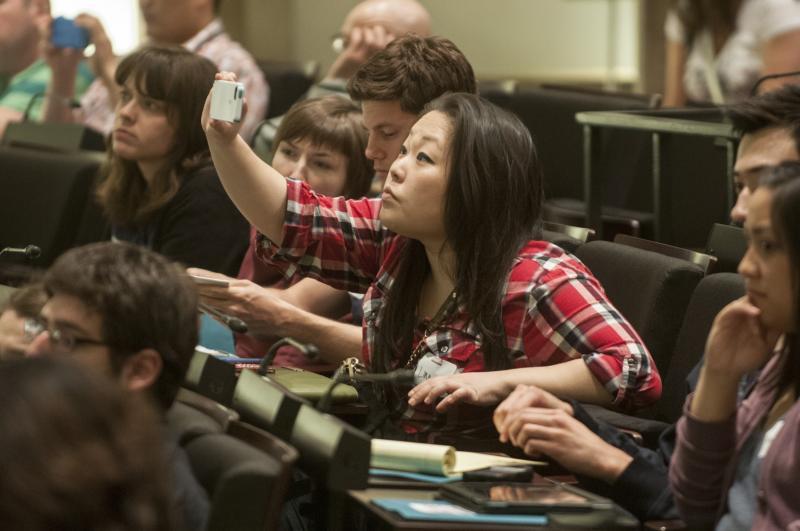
x: 397, y: 17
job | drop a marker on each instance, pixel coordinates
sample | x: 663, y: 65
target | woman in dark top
x: 160, y: 189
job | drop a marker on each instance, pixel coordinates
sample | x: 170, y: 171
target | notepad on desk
x: 435, y: 459
x: 444, y: 511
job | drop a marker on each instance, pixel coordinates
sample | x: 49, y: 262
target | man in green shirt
x: 23, y: 74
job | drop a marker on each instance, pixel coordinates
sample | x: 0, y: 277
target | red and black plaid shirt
x: 554, y: 309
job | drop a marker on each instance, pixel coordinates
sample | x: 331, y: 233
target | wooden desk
x: 374, y: 518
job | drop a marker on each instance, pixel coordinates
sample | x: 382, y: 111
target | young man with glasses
x: 130, y: 313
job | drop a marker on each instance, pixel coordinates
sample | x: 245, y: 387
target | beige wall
x: 527, y: 39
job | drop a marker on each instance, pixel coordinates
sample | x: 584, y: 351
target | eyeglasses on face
x: 61, y: 339
x: 339, y: 42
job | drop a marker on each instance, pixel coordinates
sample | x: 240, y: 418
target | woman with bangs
x: 320, y: 141
x: 160, y: 189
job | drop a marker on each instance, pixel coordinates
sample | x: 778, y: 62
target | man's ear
x: 141, y: 370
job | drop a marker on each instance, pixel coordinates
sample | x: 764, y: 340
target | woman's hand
x: 738, y: 342
x: 477, y: 388
x: 259, y: 307
x: 219, y: 130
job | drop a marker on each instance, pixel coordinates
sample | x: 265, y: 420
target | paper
x: 466, y: 461
x: 435, y: 459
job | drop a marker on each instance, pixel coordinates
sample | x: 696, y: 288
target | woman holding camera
x: 455, y: 281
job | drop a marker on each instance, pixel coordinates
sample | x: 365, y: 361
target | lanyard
x: 443, y: 313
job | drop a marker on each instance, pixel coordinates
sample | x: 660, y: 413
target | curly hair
x: 413, y: 70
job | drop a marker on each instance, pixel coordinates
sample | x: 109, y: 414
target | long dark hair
x: 182, y: 80
x: 492, y: 207
x: 784, y: 180
x: 719, y: 16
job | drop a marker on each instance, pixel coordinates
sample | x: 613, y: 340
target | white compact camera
x: 226, y: 101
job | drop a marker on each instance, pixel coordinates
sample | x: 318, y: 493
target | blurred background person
x: 24, y: 76
x: 77, y: 452
x: 366, y: 30
x: 193, y: 24
x: 717, y: 49
x: 23, y: 304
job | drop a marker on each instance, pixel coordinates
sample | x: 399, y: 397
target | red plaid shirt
x: 554, y: 310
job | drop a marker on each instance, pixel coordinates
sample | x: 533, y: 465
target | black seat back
x: 711, y: 295
x: 45, y: 199
x: 651, y: 290
x: 240, y: 480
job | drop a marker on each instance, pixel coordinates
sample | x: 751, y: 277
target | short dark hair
x: 78, y: 452
x: 143, y: 299
x: 413, y: 70
x: 333, y: 122
x: 182, y: 80
x: 778, y: 108
x: 492, y: 207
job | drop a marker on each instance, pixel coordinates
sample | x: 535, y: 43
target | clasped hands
x: 529, y: 418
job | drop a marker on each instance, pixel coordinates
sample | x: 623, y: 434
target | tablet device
x: 209, y: 281
x: 517, y: 498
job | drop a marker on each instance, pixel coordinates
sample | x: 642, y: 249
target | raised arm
x: 257, y: 190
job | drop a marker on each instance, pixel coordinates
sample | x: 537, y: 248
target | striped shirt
x: 554, y: 310
x: 19, y: 91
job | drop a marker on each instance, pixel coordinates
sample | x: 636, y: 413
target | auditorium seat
x: 650, y: 289
x: 728, y: 244
x: 241, y: 480
x: 192, y: 415
x: 568, y: 237
x: 704, y: 261
x: 46, y: 197
x: 284, y: 485
x: 711, y: 295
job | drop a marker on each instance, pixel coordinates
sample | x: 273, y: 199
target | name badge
x: 431, y: 365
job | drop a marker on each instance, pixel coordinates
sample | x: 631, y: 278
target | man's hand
x: 541, y: 424
x: 362, y: 43
x: 104, y: 62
